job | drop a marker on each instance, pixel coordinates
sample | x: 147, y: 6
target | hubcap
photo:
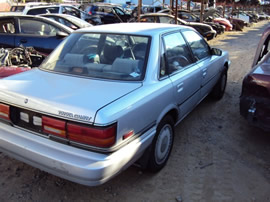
x: 163, y: 144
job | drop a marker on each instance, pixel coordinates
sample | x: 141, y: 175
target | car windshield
x: 99, y: 55
x: 77, y: 20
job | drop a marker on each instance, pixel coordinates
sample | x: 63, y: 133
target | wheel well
x: 173, y: 113
x: 226, y: 66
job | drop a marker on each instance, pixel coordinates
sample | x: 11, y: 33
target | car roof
x: 156, y: 14
x: 163, y: 14
x: 105, y: 4
x: 149, y: 29
x: 10, y: 13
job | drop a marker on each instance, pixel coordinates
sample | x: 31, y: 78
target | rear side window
x: 38, y: 11
x: 7, y: 26
x: 198, y: 45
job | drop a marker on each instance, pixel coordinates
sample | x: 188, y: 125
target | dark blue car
x: 109, y: 13
x: 41, y: 33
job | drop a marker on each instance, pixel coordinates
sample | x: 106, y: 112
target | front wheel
x: 161, y: 145
x: 219, y: 89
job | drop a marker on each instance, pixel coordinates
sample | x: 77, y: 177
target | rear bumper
x: 74, y: 164
x: 256, y: 111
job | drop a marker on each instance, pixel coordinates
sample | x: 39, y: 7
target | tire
x: 219, y: 89
x: 162, y: 145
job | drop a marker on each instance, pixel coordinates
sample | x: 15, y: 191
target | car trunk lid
x: 62, y: 96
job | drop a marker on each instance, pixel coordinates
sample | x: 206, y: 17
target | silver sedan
x: 108, y: 96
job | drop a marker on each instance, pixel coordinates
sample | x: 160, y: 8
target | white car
x: 106, y: 97
x: 62, y: 9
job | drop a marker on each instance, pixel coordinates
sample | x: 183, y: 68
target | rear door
x: 7, y: 32
x: 184, y: 73
x: 211, y: 65
x: 38, y: 34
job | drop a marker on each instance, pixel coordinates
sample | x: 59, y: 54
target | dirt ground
x: 217, y: 156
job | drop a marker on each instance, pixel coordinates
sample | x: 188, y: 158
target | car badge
x: 26, y: 101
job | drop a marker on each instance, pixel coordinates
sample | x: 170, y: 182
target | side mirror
x: 61, y: 34
x: 216, y: 51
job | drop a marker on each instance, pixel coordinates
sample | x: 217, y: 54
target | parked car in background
x: 81, y: 110
x: 255, y: 95
x: 190, y: 17
x: 213, y: 15
x: 68, y: 20
x: 109, y: 13
x: 63, y: 9
x: 43, y: 34
x: 17, y: 60
x: 19, y: 7
x: 146, y: 9
x: 205, y: 30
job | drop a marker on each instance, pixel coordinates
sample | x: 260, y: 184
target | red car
x: 10, y: 70
x: 255, y: 96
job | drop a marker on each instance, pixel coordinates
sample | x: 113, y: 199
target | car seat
x: 110, y: 53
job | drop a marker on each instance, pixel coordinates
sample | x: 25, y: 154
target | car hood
x: 64, y: 96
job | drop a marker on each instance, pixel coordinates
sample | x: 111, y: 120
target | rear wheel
x: 219, y: 89
x: 162, y: 145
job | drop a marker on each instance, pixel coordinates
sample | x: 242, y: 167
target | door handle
x: 204, y: 72
x: 180, y: 87
x: 23, y: 41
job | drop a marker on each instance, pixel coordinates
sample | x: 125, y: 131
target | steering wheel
x: 179, y: 60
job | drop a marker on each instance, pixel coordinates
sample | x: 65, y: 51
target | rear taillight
x: 4, y: 112
x: 54, y: 126
x: 96, y: 136
x: 90, y: 12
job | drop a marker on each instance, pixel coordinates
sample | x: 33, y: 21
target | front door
x: 210, y: 67
x: 184, y: 73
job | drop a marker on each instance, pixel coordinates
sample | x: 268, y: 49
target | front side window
x: 71, y: 11
x: 99, y: 55
x: 167, y: 20
x: 198, y: 45
x: 148, y: 19
x: 35, y: 27
x: 119, y: 12
x: 177, y: 53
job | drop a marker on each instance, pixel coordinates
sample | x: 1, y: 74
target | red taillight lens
x: 54, y: 126
x: 100, y: 137
x: 4, y: 112
x: 90, y: 12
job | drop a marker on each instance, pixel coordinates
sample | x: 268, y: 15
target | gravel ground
x: 217, y: 156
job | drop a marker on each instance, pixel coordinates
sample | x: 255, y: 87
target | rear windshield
x: 38, y: 11
x: 99, y: 55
